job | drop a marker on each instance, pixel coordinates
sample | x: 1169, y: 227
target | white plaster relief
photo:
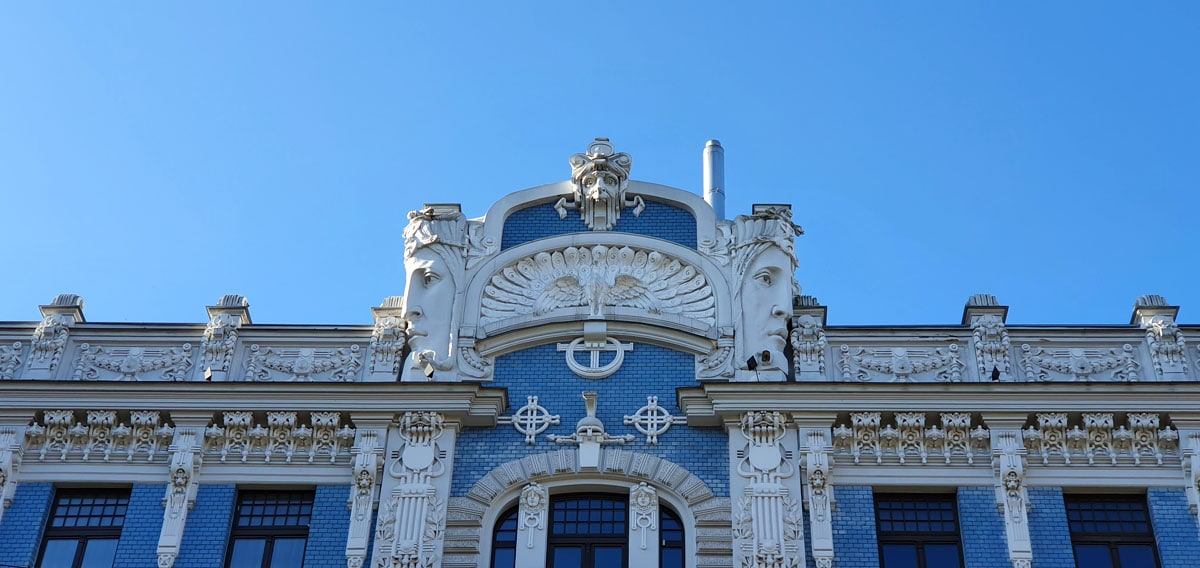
x: 652, y: 420
x: 10, y: 464
x: 907, y: 437
x: 719, y: 362
x: 1060, y: 438
x: 902, y: 364
x: 818, y: 465
x: 387, y: 343
x: 10, y: 360
x: 596, y: 278
x: 808, y: 348
x: 303, y: 364
x: 216, y: 347
x: 412, y: 523
x: 530, y: 420
x: 590, y: 435
x: 1012, y: 498
x: 594, y: 369
x: 181, y: 493
x: 49, y: 340
x: 1191, y: 471
x: 59, y: 436
x: 133, y: 363
x: 643, y: 514
x: 600, y: 179
x: 767, y: 528
x: 239, y: 436
x: 990, y: 339
x: 534, y: 509
x: 1079, y: 364
x: 764, y: 260
x: 1168, y: 348
x: 366, y: 451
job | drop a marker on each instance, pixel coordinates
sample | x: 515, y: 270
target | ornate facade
x: 598, y: 372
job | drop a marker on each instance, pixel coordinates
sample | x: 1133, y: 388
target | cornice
x: 472, y: 404
x: 712, y: 403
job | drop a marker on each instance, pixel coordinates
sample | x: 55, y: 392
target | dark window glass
x: 84, y: 528
x: 270, y: 529
x: 670, y: 531
x: 917, y: 531
x: 1111, y: 531
x: 588, y: 531
x: 504, y: 540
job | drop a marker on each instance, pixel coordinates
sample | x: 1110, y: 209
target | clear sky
x: 155, y: 155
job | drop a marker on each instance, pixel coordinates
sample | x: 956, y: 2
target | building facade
x: 600, y: 372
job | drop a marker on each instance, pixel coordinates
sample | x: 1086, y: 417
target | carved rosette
x: 902, y: 364
x: 58, y: 435
x: 1056, y: 437
x: 906, y: 437
x: 768, y: 530
x: 413, y: 521
x: 990, y: 339
x: 10, y: 360
x: 303, y: 364
x: 808, y: 348
x: 284, y: 435
x: 1079, y: 364
x: 133, y: 363
x: 367, y: 464
x: 596, y: 278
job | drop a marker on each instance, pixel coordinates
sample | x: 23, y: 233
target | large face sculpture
x: 428, y: 304
x: 766, y: 302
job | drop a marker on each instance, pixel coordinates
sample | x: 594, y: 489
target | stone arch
x: 707, y: 516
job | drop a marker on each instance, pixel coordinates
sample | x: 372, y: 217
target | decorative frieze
x: 133, y: 363
x: 1079, y: 363
x: 907, y: 437
x: 303, y: 364
x: 653, y: 420
x: 530, y: 420
x: 902, y: 364
x: 283, y: 438
x: 10, y: 360
x: 60, y: 436
x: 1094, y: 437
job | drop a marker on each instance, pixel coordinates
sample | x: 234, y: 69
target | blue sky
x: 154, y: 156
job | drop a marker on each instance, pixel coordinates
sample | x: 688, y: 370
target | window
x: 588, y: 531
x: 917, y: 531
x: 270, y: 529
x: 1111, y: 531
x: 84, y: 528
x: 504, y: 541
x: 671, y: 548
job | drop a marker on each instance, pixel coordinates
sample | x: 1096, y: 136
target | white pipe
x: 714, y: 177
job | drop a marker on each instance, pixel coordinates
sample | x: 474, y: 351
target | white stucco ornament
x: 601, y: 178
x: 764, y: 259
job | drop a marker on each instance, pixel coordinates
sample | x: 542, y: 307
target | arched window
x: 588, y: 531
x: 504, y: 541
x: 671, y: 546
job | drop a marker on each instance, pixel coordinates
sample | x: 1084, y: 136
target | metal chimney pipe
x: 714, y: 177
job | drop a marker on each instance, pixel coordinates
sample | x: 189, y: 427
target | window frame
x: 918, y: 539
x: 1112, y: 539
x: 588, y: 541
x: 269, y: 533
x: 82, y: 535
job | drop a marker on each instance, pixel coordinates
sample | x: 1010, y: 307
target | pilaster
x: 816, y: 443
x: 768, y: 528
x: 369, y: 443
x: 186, y: 458
x: 533, y: 516
x: 643, y: 525
x: 1012, y: 499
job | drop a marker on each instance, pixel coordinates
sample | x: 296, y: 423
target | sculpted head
x: 764, y: 261
x: 434, y: 257
x: 600, y: 174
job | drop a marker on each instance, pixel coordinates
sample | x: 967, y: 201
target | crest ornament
x: 601, y: 177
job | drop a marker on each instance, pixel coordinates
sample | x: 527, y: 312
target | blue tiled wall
x: 854, y: 542
x: 207, y: 529
x: 329, y: 527
x: 985, y: 544
x: 21, y: 528
x: 1048, y: 530
x: 138, y: 547
x: 542, y: 371
x: 1174, y: 528
x: 657, y: 220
